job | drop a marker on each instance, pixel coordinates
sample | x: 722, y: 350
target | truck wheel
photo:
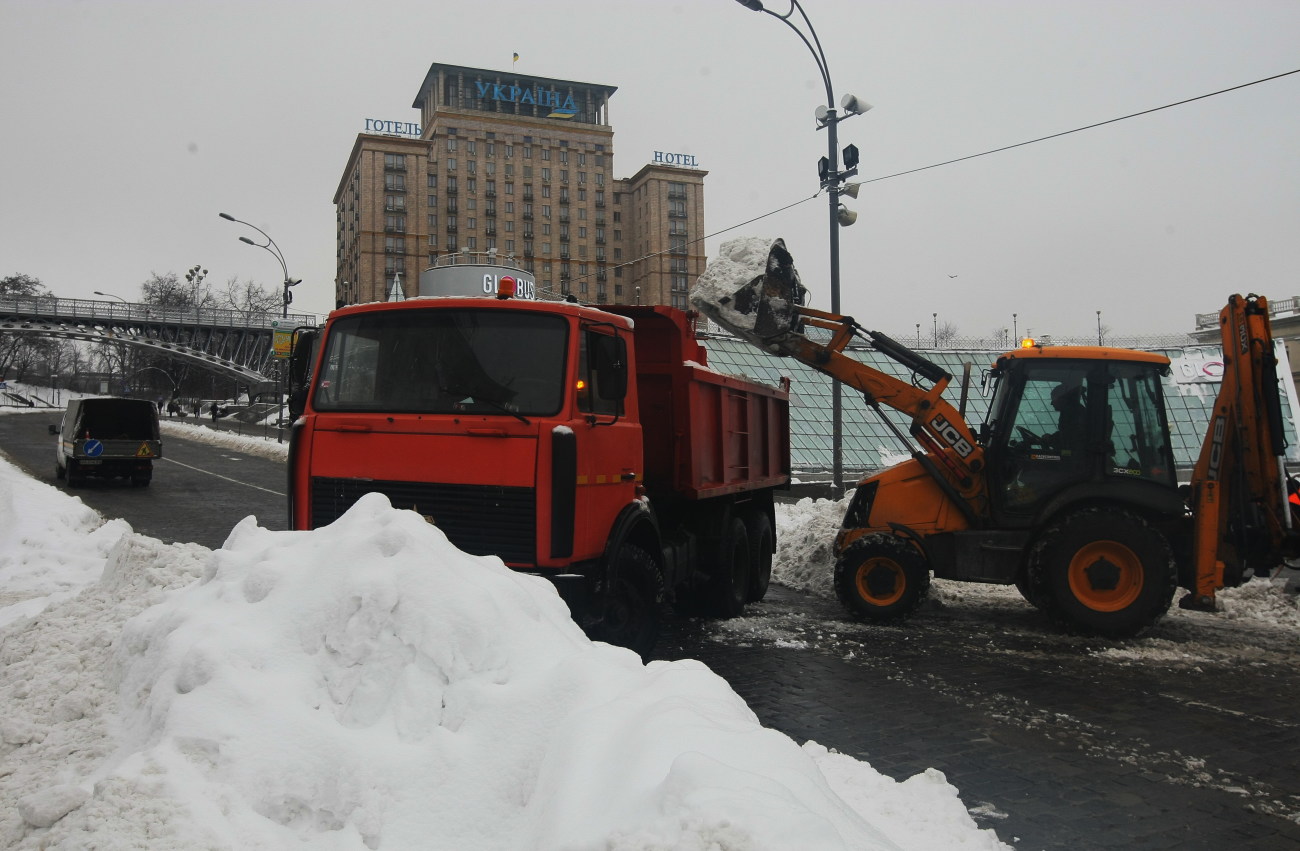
x: 729, y: 588
x: 881, y: 577
x: 75, y: 477
x: 758, y: 528
x: 141, y: 481
x: 630, y: 610
x: 1103, y: 571
x: 59, y: 472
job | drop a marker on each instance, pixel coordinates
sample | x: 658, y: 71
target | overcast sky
x: 129, y: 125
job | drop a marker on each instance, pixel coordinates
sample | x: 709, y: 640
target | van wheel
x: 140, y: 481
x: 630, y: 609
x: 729, y: 586
x: 1103, y: 571
x: 881, y: 577
x: 74, y: 474
x: 761, y: 546
x: 59, y: 472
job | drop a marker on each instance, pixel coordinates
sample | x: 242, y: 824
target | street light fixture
x: 274, y: 251
x: 832, y: 179
x: 110, y: 295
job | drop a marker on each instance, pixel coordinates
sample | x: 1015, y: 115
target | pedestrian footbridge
x: 232, y: 343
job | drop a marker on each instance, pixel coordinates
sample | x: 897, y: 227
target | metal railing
x: 91, y: 311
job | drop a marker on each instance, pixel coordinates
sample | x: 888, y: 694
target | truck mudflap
x: 753, y: 290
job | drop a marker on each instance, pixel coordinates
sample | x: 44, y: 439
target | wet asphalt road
x: 1188, y: 738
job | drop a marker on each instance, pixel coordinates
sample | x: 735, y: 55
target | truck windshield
x: 444, y: 361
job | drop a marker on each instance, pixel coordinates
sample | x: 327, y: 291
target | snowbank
x: 366, y: 685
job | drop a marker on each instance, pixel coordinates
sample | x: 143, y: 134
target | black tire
x: 75, y: 477
x: 59, y: 472
x: 631, y: 609
x: 1103, y: 571
x: 762, y: 544
x: 729, y: 584
x: 881, y: 577
x: 140, y: 481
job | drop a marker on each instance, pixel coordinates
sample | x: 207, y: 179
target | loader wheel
x: 729, y: 587
x: 881, y: 577
x: 1103, y: 571
x: 630, y: 612
x: 761, y: 546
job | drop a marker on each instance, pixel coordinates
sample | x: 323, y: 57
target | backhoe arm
x: 1238, y: 491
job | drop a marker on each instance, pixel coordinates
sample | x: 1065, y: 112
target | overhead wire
x: 1093, y: 126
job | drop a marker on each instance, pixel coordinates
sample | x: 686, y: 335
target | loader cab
x: 1070, y: 424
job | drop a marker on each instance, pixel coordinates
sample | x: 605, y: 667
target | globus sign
x: 523, y: 288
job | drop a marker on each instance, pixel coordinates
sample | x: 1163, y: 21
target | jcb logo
x: 949, y: 433
x: 1216, y: 448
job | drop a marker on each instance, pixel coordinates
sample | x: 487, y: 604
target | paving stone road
x: 1188, y: 738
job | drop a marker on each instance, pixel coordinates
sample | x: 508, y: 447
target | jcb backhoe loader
x: 1068, y: 490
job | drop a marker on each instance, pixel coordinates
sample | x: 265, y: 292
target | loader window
x: 442, y: 361
x: 1041, y: 437
x: 1139, y: 434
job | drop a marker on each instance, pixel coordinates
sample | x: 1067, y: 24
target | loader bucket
x: 752, y: 289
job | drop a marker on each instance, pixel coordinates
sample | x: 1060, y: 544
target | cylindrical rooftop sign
x: 474, y: 279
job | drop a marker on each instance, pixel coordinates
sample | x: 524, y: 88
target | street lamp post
x: 936, y: 329
x: 1099, y: 327
x: 274, y: 251
x: 110, y: 295
x: 286, y: 298
x: 831, y: 180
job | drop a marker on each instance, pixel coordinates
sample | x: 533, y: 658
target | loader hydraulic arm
x: 1239, y: 501
x: 952, y: 453
x: 753, y: 290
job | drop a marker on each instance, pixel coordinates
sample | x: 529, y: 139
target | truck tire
x: 881, y: 578
x: 75, y: 477
x: 762, y: 543
x: 729, y: 588
x: 1103, y: 571
x: 59, y: 472
x: 630, y: 609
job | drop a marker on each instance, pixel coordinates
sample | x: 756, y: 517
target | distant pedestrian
x: 216, y: 412
x: 173, y: 408
x: 196, y: 408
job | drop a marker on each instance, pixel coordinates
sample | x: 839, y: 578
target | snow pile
x: 805, y: 543
x: 366, y: 685
x: 259, y: 446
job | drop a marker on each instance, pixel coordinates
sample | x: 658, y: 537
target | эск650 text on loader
x: 1068, y: 489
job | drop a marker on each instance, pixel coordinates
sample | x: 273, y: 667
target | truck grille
x: 478, y: 519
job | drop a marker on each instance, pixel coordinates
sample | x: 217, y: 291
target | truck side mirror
x: 304, y: 344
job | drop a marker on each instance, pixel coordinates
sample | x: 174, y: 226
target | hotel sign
x: 561, y: 106
x: 399, y: 128
x: 666, y: 158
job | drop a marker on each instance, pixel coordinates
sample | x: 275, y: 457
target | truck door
x: 607, y: 450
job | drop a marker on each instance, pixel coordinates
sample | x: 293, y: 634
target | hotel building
x: 516, y: 171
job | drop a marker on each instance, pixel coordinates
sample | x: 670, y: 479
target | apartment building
x: 519, y: 169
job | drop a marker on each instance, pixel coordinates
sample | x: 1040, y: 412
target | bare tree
x: 248, y: 297
x: 946, y: 334
x: 19, y: 352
